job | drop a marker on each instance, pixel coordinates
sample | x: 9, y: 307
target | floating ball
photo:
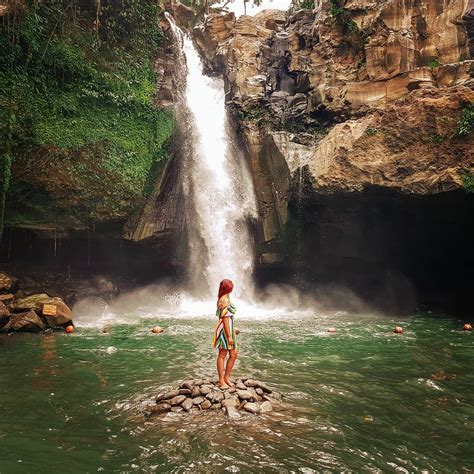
x: 157, y: 330
x: 237, y: 330
x: 398, y: 330
x: 70, y: 329
x: 467, y: 327
x: 111, y: 350
x: 331, y: 329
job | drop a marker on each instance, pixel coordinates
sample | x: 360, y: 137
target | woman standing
x: 224, y: 334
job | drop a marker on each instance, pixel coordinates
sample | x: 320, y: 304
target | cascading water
x: 220, y: 205
x: 217, y: 183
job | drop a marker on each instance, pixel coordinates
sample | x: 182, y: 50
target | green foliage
x: 433, y: 63
x: 371, y: 131
x: 434, y: 139
x: 298, y: 127
x: 336, y: 11
x: 253, y: 114
x: 71, y: 84
x: 467, y: 120
x: 468, y: 182
x: 307, y: 4
x: 343, y: 17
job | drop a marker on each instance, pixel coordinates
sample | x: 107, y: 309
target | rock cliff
x: 348, y: 95
x: 357, y: 118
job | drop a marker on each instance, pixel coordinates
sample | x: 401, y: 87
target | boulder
x: 184, y: 391
x: 244, y: 395
x: 273, y: 395
x: 266, y: 407
x: 252, y: 408
x: 187, y: 384
x: 216, y: 406
x: 255, y: 396
x: 206, y: 404
x: 218, y: 397
x: 36, y: 302
x: 167, y: 395
x: 4, y: 311
x: 205, y: 389
x: 272, y: 400
x: 28, y: 321
x: 232, y: 412
x: 264, y: 387
x: 230, y: 402
x: 63, y: 314
x: 187, y: 404
x: 177, y: 400
x: 177, y: 409
x: 198, y: 400
x: 7, y: 298
x: 195, y: 392
x: 7, y: 282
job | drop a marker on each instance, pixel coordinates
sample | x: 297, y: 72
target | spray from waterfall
x: 220, y: 199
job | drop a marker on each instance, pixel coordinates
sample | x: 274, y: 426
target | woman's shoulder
x: 224, y: 301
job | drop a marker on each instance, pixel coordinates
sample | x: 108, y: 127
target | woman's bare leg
x: 233, y: 353
x: 220, y: 367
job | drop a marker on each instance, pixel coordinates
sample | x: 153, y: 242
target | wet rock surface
x: 255, y: 397
x: 35, y: 312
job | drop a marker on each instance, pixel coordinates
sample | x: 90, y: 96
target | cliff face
x: 366, y: 94
x: 357, y: 120
x: 81, y: 140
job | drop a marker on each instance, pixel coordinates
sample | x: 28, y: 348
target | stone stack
x: 194, y: 396
x: 21, y: 313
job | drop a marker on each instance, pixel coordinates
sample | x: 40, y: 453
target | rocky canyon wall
x: 348, y: 107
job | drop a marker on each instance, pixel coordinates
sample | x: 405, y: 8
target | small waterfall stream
x: 220, y: 199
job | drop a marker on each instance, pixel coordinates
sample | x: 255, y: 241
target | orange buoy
x: 398, y: 330
x: 157, y: 330
x: 467, y: 327
x: 69, y: 329
x: 331, y: 329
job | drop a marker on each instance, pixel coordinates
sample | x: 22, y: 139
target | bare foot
x: 223, y: 384
x: 229, y: 383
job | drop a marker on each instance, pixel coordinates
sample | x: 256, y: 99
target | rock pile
x: 194, y: 396
x: 33, y: 313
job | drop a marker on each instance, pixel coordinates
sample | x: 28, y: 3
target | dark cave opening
x: 395, y: 251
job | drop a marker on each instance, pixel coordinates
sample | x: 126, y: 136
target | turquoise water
x: 363, y: 399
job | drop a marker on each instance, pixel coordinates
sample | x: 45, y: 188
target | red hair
x: 225, y: 288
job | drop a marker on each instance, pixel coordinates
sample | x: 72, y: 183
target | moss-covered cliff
x: 80, y: 135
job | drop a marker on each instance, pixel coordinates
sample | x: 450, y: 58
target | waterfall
x: 220, y: 199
